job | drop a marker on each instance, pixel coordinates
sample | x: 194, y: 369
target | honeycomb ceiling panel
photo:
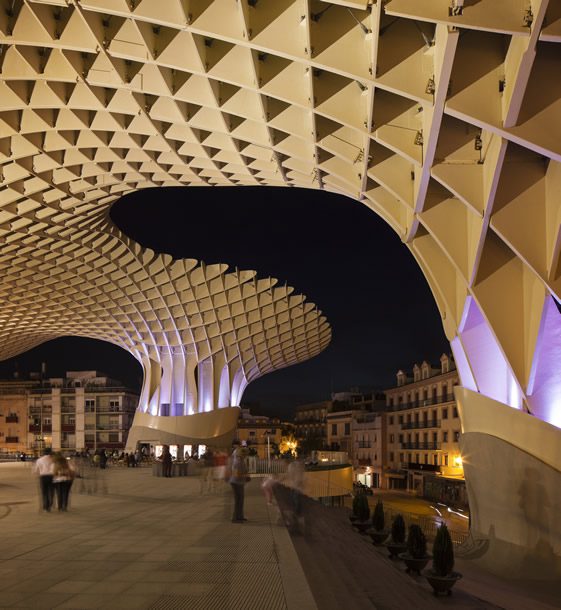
x: 441, y: 116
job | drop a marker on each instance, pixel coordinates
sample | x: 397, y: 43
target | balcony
x: 364, y: 444
x: 12, y: 419
x: 68, y: 427
x: 416, y: 425
x: 426, y: 467
x: 425, y: 402
x: 421, y: 445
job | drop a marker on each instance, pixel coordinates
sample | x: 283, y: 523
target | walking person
x: 238, y: 477
x: 166, y: 461
x: 63, y: 476
x: 44, y: 467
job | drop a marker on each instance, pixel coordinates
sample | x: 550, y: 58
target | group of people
x: 56, y: 475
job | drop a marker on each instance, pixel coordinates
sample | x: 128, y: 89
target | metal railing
x: 416, y: 425
x: 429, y: 525
x: 260, y: 466
x: 421, y: 445
x: 424, y: 402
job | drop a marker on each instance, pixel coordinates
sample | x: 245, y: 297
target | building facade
x: 83, y: 410
x: 368, y: 437
x: 261, y: 434
x: 310, y: 424
x: 423, y: 433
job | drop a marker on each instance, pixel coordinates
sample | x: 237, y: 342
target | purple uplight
x: 489, y: 368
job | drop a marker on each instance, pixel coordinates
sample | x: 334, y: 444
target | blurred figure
x: 44, y: 467
x: 207, y: 483
x: 63, y: 476
x: 267, y: 487
x: 295, y: 481
x: 238, y: 477
x: 166, y: 461
x: 102, y: 459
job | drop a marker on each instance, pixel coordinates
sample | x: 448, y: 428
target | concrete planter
x: 415, y: 564
x: 442, y: 584
x: 396, y: 548
x: 378, y: 536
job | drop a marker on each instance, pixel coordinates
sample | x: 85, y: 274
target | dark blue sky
x: 334, y: 250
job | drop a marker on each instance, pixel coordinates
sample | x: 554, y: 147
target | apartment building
x: 423, y: 431
x: 368, y: 437
x: 310, y: 427
x: 83, y: 410
x: 263, y: 434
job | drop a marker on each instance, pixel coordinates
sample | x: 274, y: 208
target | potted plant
x: 397, y: 545
x: 416, y: 556
x: 361, y: 509
x: 442, y: 577
x: 377, y: 532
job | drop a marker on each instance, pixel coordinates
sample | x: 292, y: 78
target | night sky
x: 332, y: 249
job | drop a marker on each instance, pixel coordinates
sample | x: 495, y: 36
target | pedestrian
x: 102, y: 459
x: 166, y: 461
x: 44, y: 467
x: 63, y: 476
x: 238, y: 476
x: 295, y: 481
x: 207, y: 483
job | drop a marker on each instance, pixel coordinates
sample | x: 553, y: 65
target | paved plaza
x: 153, y: 543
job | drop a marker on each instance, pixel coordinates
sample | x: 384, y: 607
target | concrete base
x: 216, y: 428
x: 514, y: 489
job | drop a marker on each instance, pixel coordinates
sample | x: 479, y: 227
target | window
x: 347, y: 429
x: 113, y: 437
x: 334, y: 429
x: 445, y: 436
x: 392, y: 438
x: 252, y: 433
x: 401, y: 438
x: 426, y: 458
x: 446, y: 460
x: 375, y: 457
x: 445, y: 413
x: 89, y: 405
x: 391, y: 456
x: 391, y: 420
x: 401, y: 457
x: 400, y: 419
x: 435, y: 459
x: 115, y: 406
x: 456, y: 436
x: 435, y: 437
x: 455, y: 411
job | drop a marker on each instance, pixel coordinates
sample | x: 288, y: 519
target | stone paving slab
x: 148, y: 544
x: 158, y: 544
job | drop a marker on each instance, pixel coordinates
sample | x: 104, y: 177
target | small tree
x: 378, y: 520
x: 443, y: 552
x: 360, y: 507
x: 398, y: 529
x: 416, y: 542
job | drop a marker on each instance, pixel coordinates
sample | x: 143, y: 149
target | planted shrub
x: 361, y: 508
x: 443, y: 552
x: 416, y: 542
x: 398, y: 529
x: 378, y: 520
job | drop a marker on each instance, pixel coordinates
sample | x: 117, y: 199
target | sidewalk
x: 150, y: 543
x: 157, y: 544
